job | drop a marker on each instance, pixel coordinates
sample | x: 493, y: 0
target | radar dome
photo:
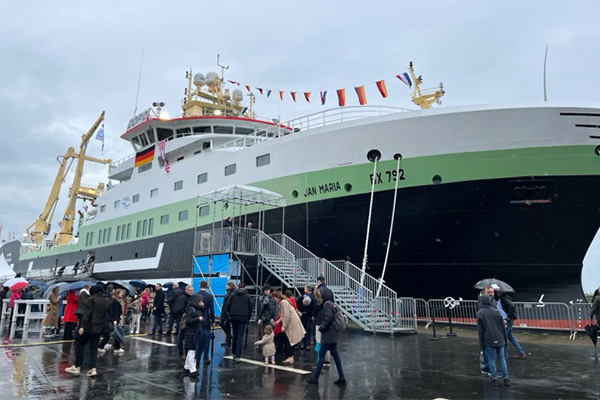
x: 237, y: 95
x: 212, y: 79
x: 199, y: 79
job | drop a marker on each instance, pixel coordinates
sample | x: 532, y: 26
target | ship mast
x: 424, y: 98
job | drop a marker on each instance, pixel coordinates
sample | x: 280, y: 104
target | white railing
x: 121, y: 161
x: 342, y: 114
x: 241, y: 142
x: 369, y: 282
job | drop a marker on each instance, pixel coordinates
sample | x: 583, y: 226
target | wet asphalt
x: 376, y: 367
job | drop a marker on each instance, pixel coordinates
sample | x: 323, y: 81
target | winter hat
x: 95, y: 289
x: 195, y: 300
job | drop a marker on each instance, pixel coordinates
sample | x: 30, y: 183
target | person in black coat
x: 188, y: 292
x: 509, y: 309
x: 322, y: 295
x: 114, y: 316
x: 329, y: 339
x: 158, y: 309
x: 224, y: 318
x: 195, y: 317
x: 177, y: 304
x: 209, y: 306
x: 492, y: 337
x: 307, y: 305
x: 239, y: 310
x: 92, y: 323
x: 266, y: 310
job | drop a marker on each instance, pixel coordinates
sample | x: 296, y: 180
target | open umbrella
x: 18, y: 285
x: 37, y: 283
x: 123, y: 285
x: 76, y: 285
x: 12, y: 281
x: 139, y: 284
x: 51, y: 287
x: 592, y: 331
x: 497, y: 284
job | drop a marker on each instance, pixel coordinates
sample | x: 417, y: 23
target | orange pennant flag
x: 307, y: 96
x: 382, y: 88
x: 360, y: 92
x: 293, y: 96
x: 281, y: 95
x: 341, y: 97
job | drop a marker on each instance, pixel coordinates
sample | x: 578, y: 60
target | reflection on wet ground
x: 376, y: 366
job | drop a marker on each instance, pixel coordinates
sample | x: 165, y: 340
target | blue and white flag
x: 100, y: 136
x: 405, y: 78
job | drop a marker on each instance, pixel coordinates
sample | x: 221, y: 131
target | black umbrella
x: 497, y: 284
x: 592, y: 331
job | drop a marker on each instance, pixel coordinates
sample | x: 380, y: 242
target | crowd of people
x: 96, y: 315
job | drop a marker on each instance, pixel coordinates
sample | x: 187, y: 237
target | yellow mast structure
x: 41, y: 226
x: 424, y: 98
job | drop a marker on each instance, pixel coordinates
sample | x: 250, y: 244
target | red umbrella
x: 19, y: 285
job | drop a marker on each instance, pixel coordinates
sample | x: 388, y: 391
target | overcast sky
x: 62, y: 63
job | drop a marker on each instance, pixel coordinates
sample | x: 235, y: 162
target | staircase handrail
x: 369, y: 282
x: 335, y: 276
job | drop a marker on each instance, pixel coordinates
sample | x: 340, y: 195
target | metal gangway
x: 296, y: 267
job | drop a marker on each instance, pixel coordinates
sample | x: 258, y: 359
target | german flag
x: 144, y: 156
x: 382, y: 88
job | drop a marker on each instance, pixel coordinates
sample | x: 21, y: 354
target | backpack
x: 340, y: 321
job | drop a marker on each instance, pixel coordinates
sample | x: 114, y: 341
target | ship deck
x: 376, y: 366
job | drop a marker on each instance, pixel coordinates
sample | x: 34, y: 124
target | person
x: 328, y: 340
x: 90, y: 327
x: 84, y: 295
x: 507, y: 309
x: 69, y: 317
x: 136, y: 313
x: 209, y: 306
x: 239, y: 311
x: 307, y: 305
x: 115, y: 316
x: 194, y: 316
x: 224, y: 318
x: 492, y: 338
x: 14, y: 295
x: 488, y: 291
x: 595, y: 310
x: 187, y: 293
x: 266, y: 308
x: 158, y: 309
x: 290, y: 296
x: 268, y: 345
x: 144, y: 303
x: 51, y: 319
x: 151, y: 295
x: 177, y: 304
x: 291, y: 326
x: 322, y: 294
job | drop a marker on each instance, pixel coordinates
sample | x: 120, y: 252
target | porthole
x: 348, y: 187
x: 597, y: 150
x: 110, y: 258
x: 397, y: 156
x: 436, y: 179
x: 136, y: 255
x: 294, y: 193
x: 226, y: 206
x: 374, y: 155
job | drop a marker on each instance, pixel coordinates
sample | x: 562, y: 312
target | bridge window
x: 202, y: 129
x: 230, y: 169
x: 150, y: 134
x: 203, y: 178
x: 164, y: 134
x: 223, y: 129
x: 244, y: 131
x: 178, y: 185
x: 183, y: 132
x: 143, y: 140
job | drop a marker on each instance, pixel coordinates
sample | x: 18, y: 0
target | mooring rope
x: 387, y: 250
x: 364, y: 263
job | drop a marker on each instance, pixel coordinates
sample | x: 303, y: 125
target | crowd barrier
x: 558, y: 317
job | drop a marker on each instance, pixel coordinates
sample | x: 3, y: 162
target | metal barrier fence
x: 530, y: 315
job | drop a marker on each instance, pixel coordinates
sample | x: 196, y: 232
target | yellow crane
x: 424, y: 98
x: 41, y: 226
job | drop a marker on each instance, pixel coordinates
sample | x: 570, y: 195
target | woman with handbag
x: 291, y: 326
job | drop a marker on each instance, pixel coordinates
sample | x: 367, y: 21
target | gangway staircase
x: 295, y: 266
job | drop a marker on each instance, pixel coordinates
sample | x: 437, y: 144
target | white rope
x: 364, y: 263
x: 387, y: 250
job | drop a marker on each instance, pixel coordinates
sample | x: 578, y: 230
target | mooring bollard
x: 434, y: 337
x: 449, y: 304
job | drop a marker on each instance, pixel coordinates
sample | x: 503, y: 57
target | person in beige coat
x: 268, y: 345
x: 290, y: 325
x: 51, y: 319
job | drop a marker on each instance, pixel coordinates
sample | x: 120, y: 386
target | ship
x: 467, y: 192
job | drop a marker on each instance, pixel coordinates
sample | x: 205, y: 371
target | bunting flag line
x: 293, y: 96
x: 161, y: 148
x: 307, y: 96
x: 259, y: 90
x: 281, y: 95
x: 268, y: 93
x: 341, y: 97
x: 323, y: 97
x: 382, y: 88
x: 248, y: 88
x: 144, y: 156
x: 405, y: 78
x: 360, y: 92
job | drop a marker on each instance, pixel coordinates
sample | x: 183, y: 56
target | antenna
x: 545, y: 59
x: 137, y: 96
x: 223, y: 67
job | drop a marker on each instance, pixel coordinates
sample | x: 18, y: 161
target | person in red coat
x: 69, y: 317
